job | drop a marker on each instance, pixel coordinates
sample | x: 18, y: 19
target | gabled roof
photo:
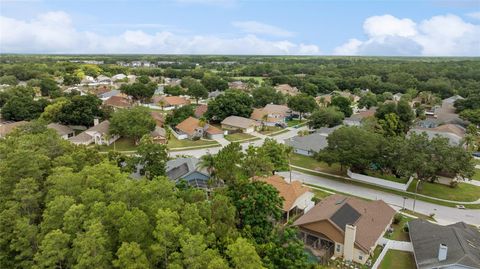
x: 102, y: 128
x: 158, y: 117
x: 6, y: 128
x: 117, y: 101
x: 287, y: 89
x: 312, y: 142
x: 200, y: 110
x: 374, y: 217
x: 452, y: 132
x: 60, y: 129
x: 182, y: 167
x: 270, y: 109
x: 462, y: 241
x: 191, y: 124
x: 175, y: 100
x: 290, y: 192
x: 239, y: 122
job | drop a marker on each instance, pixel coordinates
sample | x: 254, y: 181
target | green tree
x: 20, y: 108
x: 90, y: 249
x: 243, y: 255
x: 152, y: 157
x: 49, y: 87
x: 368, y: 100
x: 390, y: 125
x: 139, y: 91
x: 325, y: 116
x: 213, y: 83
x: 81, y: 110
x: 263, y: 96
x: 54, y: 251
x: 131, y: 256
x: 302, y: 104
x: 132, y: 123
x: 232, y: 103
x: 277, y: 153
x: 197, y: 91
x: 257, y: 162
x: 343, y: 104
x: 180, y: 114
x: 52, y: 111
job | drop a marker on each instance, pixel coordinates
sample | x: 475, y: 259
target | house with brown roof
x: 8, y: 127
x: 118, y: 102
x: 98, y: 134
x: 271, y: 114
x: 158, y: 118
x: 287, y: 89
x: 356, y: 119
x: 238, y: 85
x: 159, y: 135
x: 171, y: 102
x: 297, y: 199
x: 345, y: 227
x: 200, y: 110
x: 63, y: 131
x: 239, y: 124
x: 192, y: 128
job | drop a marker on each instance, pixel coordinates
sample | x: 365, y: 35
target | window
x: 338, y: 248
x: 360, y: 257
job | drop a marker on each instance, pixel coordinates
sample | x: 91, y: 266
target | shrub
x: 397, y: 218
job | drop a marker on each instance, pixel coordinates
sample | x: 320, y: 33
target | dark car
x: 476, y: 154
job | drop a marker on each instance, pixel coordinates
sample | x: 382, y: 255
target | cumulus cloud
x: 54, y: 32
x: 445, y: 35
x: 474, y: 15
x: 255, y: 27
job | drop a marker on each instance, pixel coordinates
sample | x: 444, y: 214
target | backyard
x: 398, y: 233
x: 396, y: 259
x: 122, y: 144
x: 310, y: 163
x: 464, y: 192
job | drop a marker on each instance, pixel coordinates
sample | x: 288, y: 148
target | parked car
x: 476, y: 154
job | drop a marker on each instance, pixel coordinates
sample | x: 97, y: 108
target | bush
x: 397, y: 218
x: 405, y: 227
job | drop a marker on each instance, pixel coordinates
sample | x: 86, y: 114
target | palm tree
x: 264, y: 119
x: 207, y: 161
x: 162, y: 103
x: 288, y: 152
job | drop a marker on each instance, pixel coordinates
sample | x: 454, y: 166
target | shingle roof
x: 200, y: 110
x: 375, y: 217
x: 289, y: 191
x: 175, y: 100
x: 453, y: 134
x: 158, y: 117
x: 287, y: 89
x: 6, y: 128
x: 462, y: 241
x: 81, y: 138
x: 117, y: 101
x: 181, y: 167
x: 240, y: 122
x: 312, y: 142
x: 191, y: 124
x: 103, y: 127
x: 270, y: 109
x: 60, y: 128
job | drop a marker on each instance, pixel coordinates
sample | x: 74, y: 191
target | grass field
x: 175, y: 143
x: 258, y: 79
x: 122, y: 144
x: 418, y: 215
x: 319, y: 194
x: 395, y: 259
x: 464, y: 192
x: 240, y: 136
x: 270, y: 129
x: 311, y: 163
x: 477, y: 174
x: 292, y: 123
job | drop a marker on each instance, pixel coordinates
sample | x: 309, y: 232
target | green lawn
x: 396, y: 259
x: 311, y: 163
x: 464, y: 192
x: 279, y: 132
x: 398, y: 233
x: 477, y: 174
x: 122, y: 144
x: 292, y: 123
x: 258, y: 79
x: 418, y: 215
x: 387, y: 177
x: 319, y: 194
x: 175, y: 143
x: 240, y: 136
x: 270, y: 129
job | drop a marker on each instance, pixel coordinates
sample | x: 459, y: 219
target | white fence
x: 379, y: 181
x: 177, y: 135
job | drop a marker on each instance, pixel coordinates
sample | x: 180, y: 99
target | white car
x: 460, y: 206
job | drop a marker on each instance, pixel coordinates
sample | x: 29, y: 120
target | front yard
x: 464, y: 192
x: 292, y: 123
x: 310, y: 163
x: 477, y: 175
x: 175, y: 143
x: 122, y: 144
x: 240, y: 136
x: 270, y: 129
x: 396, y: 259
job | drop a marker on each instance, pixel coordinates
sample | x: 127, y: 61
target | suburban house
x: 8, y: 127
x: 326, y: 131
x: 102, y: 79
x: 396, y: 97
x: 307, y: 145
x: 172, y: 102
x: 186, y: 169
x: 239, y: 124
x: 200, y: 110
x: 191, y: 128
x: 446, y: 112
x: 454, y: 133
x: 63, y: 131
x: 324, y: 100
x: 117, y: 102
x: 104, y: 95
x: 173, y: 81
x: 159, y: 135
x: 238, y: 85
x: 449, y: 247
x: 287, y: 89
x: 271, y: 114
x: 297, y: 199
x: 98, y: 134
x: 158, y: 118
x: 347, y: 227
x: 118, y: 77
x: 356, y: 119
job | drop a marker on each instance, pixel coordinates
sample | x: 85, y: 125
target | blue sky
x: 432, y: 28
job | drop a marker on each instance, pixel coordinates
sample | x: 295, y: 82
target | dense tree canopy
x: 326, y: 117
x: 263, y: 96
x: 232, y: 103
x: 133, y: 123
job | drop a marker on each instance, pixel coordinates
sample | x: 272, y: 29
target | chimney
x: 350, y: 234
x: 442, y: 252
x: 95, y: 121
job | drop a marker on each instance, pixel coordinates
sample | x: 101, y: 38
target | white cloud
x: 254, y: 27
x: 474, y: 15
x: 221, y: 3
x: 54, y: 32
x: 445, y: 35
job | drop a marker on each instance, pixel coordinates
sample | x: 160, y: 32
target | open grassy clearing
x: 292, y: 123
x: 464, y: 192
x: 387, y: 177
x: 240, y: 136
x: 311, y: 163
x: 122, y: 144
x: 175, y: 143
x: 270, y: 129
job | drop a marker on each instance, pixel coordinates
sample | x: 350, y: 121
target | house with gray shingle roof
x: 307, y: 145
x: 187, y: 169
x: 63, y: 131
x: 453, y: 246
x: 98, y: 134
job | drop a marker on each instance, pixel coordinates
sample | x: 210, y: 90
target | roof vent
x: 442, y: 252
